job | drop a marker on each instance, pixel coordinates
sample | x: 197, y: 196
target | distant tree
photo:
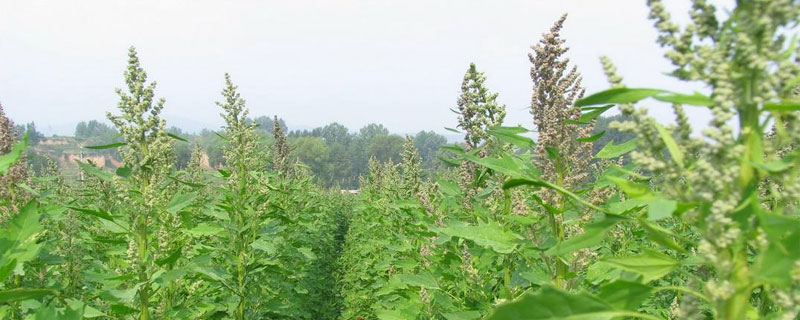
x: 386, y: 148
x: 313, y: 152
x: 95, y: 131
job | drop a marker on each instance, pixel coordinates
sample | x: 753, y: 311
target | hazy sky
x: 399, y: 63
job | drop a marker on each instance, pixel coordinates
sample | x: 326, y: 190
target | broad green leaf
x: 106, y: 146
x: 551, y: 303
x: 394, y: 315
x: 512, y: 135
x: 123, y: 172
x: 611, y: 150
x: 632, y: 189
x: 660, y: 208
x: 593, y: 235
x: 650, y: 264
x: 307, y: 253
x: 507, y: 164
x: 672, y: 146
x: 424, y: 280
x: 462, y: 315
x: 485, y: 234
x: 624, y: 295
x: 18, y: 239
x: 777, y: 263
x: 95, y: 171
x: 8, y: 160
x: 19, y: 294
x: 180, y: 201
x: 617, y: 95
x: 265, y: 246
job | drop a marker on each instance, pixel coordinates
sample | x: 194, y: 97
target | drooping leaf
x: 593, y: 235
x: 462, y: 315
x: 660, y: 208
x: 624, y: 295
x: 180, y: 201
x: 176, y: 137
x: 106, y: 146
x: 610, y: 150
x: 100, y: 213
x: 204, y: 229
x: 489, y: 234
x: 672, y: 146
x: 20, y: 294
x: 696, y: 99
x: 95, y: 171
x: 424, y: 280
x: 551, y: 303
x: 617, y: 95
x: 592, y: 138
x: 650, y: 264
x: 783, y: 106
x: 512, y: 135
x: 171, y: 258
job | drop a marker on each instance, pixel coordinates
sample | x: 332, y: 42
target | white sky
x: 311, y: 62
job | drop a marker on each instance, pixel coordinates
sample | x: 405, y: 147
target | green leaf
x: 617, y: 95
x: 8, y: 160
x: 204, y: 229
x: 592, y: 138
x: 507, y: 164
x: 18, y: 240
x: 19, y: 294
x: 180, y: 201
x: 650, y: 264
x: 661, y: 236
x: 783, y: 106
x: 171, y: 258
x: 696, y: 99
x: 672, y: 146
x: 452, y: 130
x: 511, y: 135
x: 123, y: 172
x: 593, y: 235
x: 660, y: 208
x: 593, y: 113
x: 632, y: 189
x: 173, y: 136
x: 308, y: 253
x: 777, y: 263
x: 462, y: 315
x: 624, y: 295
x: 485, y: 234
x: 106, y: 146
x: 100, y: 213
x: 95, y: 171
x: 613, y: 151
x: 424, y: 280
x: 551, y: 304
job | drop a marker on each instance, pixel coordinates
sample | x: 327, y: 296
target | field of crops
x: 675, y: 223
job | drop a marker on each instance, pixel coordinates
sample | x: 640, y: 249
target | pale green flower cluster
x: 477, y: 108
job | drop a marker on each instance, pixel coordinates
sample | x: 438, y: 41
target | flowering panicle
x: 10, y: 197
x: 280, y: 150
x: 477, y: 108
x: 411, y: 168
x: 562, y: 159
x: 241, y: 154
